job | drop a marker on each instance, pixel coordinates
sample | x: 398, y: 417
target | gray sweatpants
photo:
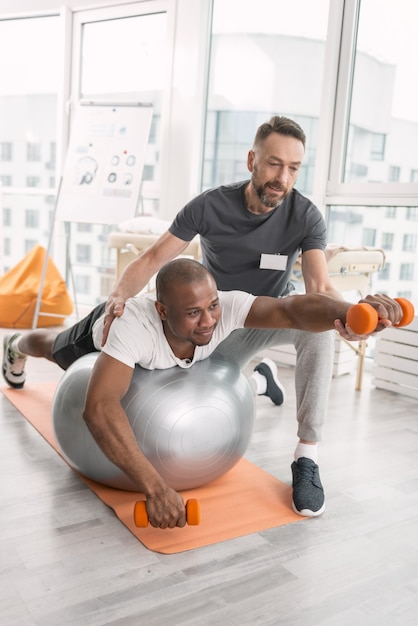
x: 313, y: 368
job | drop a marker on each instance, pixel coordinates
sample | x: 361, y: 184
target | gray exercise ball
x: 192, y: 424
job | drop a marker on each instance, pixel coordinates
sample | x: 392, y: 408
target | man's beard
x: 264, y: 197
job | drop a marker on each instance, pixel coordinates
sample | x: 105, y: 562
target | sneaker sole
x: 308, y: 512
x: 14, y: 385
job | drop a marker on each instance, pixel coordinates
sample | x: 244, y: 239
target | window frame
x: 338, y: 192
x: 183, y: 99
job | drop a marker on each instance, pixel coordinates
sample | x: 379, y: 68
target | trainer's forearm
x: 134, y: 278
x: 140, y: 271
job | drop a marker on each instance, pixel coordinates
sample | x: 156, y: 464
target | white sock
x: 260, y: 383
x: 15, y: 346
x: 308, y: 450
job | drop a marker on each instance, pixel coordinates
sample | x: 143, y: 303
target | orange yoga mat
x: 246, y: 500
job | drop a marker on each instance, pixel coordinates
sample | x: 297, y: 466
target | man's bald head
x: 178, y: 273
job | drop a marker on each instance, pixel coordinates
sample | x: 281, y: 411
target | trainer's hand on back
x: 114, y: 308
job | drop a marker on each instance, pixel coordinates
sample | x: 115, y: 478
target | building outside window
x: 384, y: 273
x: 7, y: 245
x: 394, y: 174
x: 6, y: 151
x: 52, y: 160
x: 387, y: 241
x: 390, y: 212
x: 409, y: 243
x: 84, y: 253
x: 31, y: 218
x: 369, y: 237
x: 378, y: 142
x: 82, y: 284
x: 33, y: 151
x: 7, y: 216
x: 33, y: 181
x: 30, y: 244
x: 408, y: 294
x: 406, y: 271
x: 412, y: 213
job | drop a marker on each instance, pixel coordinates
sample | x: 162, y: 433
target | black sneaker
x: 308, y: 493
x: 13, y: 364
x: 275, y: 390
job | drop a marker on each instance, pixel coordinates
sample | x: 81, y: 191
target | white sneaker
x: 13, y: 364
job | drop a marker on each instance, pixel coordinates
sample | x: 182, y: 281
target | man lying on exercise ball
x: 182, y: 324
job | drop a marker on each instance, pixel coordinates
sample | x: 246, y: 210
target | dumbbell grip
x: 363, y: 318
x: 192, y: 513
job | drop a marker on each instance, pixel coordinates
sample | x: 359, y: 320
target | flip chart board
x: 105, y: 160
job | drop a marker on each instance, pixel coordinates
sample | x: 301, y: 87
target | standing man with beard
x: 251, y: 234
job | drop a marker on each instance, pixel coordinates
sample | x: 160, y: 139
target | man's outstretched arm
x: 110, y: 427
x: 316, y: 312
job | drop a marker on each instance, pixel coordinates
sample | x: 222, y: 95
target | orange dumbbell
x: 363, y: 319
x: 192, y: 513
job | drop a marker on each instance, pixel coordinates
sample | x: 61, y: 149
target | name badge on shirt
x: 273, y: 261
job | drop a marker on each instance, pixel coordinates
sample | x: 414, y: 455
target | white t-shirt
x: 137, y: 337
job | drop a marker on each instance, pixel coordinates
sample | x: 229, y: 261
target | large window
x: 132, y: 69
x: 267, y: 58
x: 375, y: 124
x: 383, y: 122
x: 119, y: 57
x: 30, y: 73
x: 372, y: 185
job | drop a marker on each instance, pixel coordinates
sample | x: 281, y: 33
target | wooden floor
x: 66, y: 559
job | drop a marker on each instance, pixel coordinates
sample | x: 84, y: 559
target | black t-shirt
x: 233, y: 239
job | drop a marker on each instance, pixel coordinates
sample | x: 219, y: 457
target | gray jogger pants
x: 313, y: 372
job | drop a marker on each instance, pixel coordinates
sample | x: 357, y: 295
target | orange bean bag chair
x: 19, y: 289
